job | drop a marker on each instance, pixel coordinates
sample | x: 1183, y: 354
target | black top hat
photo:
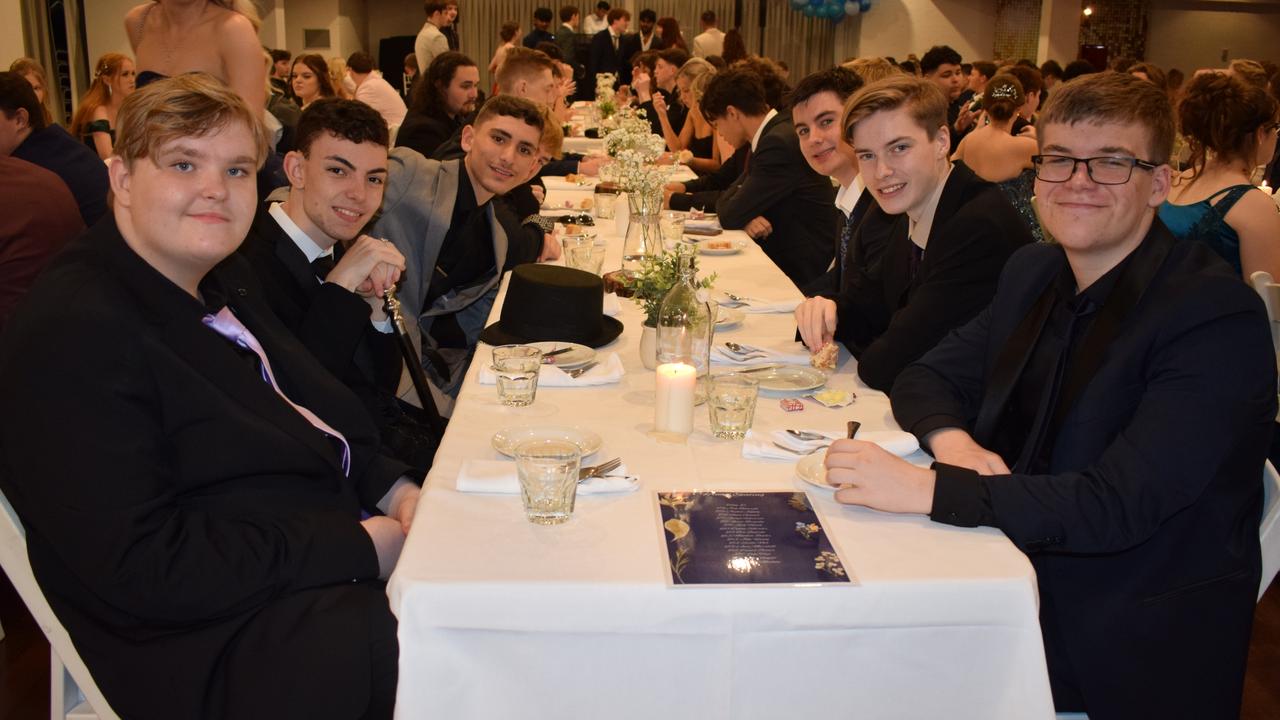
x: 549, y: 302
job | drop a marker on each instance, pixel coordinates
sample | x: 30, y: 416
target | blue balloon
x: 864, y: 4
x: 817, y: 3
x: 810, y: 11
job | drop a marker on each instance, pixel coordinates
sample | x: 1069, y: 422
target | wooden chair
x: 72, y: 693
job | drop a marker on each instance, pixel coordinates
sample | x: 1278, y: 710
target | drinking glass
x: 516, y: 367
x: 603, y: 204
x: 583, y: 252
x: 731, y: 402
x: 548, y: 472
x: 671, y: 225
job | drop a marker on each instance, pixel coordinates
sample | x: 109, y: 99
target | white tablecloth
x: 500, y: 618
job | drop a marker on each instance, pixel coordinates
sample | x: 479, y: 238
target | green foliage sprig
x: 655, y: 278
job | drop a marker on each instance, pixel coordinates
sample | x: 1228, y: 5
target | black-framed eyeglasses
x: 1105, y: 170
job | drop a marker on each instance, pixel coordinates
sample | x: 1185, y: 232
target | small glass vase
x: 644, y: 234
x: 685, y: 325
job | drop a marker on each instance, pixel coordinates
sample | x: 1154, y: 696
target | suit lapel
x: 1010, y: 362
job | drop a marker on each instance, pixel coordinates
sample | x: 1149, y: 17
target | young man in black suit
x: 940, y: 266
x: 326, y: 280
x: 1110, y: 412
x: 605, y: 55
x: 192, y: 495
x: 778, y: 199
x: 646, y: 39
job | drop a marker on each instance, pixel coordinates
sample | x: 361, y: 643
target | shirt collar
x: 304, y: 242
x: 760, y: 130
x: 848, y: 195
x: 920, y: 229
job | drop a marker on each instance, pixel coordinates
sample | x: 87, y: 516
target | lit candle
x: 673, y: 411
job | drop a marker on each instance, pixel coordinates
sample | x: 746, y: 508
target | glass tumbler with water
x: 731, y: 401
x: 583, y: 252
x: 548, y: 472
x: 516, y: 368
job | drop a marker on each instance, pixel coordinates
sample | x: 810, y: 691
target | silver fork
x: 577, y: 372
x: 800, y: 452
x: 598, y: 470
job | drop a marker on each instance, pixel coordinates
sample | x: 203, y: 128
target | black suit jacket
x: 425, y: 133
x: 798, y: 202
x: 888, y: 318
x: 703, y: 192
x: 1144, y: 536
x: 52, y: 148
x: 602, y: 58
x: 189, y: 528
x: 629, y: 47
x: 862, y: 257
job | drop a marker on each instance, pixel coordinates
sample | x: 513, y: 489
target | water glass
x: 603, y: 204
x: 516, y: 367
x: 671, y: 225
x: 583, y: 252
x: 731, y: 402
x: 548, y: 472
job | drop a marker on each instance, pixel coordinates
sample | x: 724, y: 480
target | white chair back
x: 70, y: 684
x: 1269, y: 530
x: 1266, y: 286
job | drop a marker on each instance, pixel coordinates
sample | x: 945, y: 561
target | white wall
x: 11, y: 43
x: 390, y: 18
x: 104, y: 25
x: 1190, y: 39
x: 1059, y: 31
x: 899, y: 27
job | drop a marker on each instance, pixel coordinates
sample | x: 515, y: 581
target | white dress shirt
x: 760, y: 130
x: 921, y: 227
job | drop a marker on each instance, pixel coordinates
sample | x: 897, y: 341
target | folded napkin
x: 761, y: 445
x: 612, y: 306
x: 607, y: 371
x: 704, y: 224
x: 753, y: 304
x: 557, y: 182
x: 793, y: 353
x: 499, y: 476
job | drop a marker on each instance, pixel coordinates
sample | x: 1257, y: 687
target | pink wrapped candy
x: 791, y: 405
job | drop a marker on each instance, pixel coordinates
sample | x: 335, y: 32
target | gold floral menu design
x: 747, y: 538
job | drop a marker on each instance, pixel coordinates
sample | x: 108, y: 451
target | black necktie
x: 323, y: 265
x: 917, y: 256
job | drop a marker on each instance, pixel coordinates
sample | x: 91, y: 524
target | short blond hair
x: 872, y: 69
x: 923, y: 100
x: 188, y: 105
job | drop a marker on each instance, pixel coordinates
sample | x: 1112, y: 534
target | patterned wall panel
x: 1017, y: 29
x: 1120, y: 25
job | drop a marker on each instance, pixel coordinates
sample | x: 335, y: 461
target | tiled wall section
x: 1017, y: 29
x: 1120, y: 25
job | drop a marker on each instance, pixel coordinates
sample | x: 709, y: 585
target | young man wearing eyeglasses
x: 1110, y: 412
x: 940, y: 263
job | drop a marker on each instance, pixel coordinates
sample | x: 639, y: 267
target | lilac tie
x: 229, y: 326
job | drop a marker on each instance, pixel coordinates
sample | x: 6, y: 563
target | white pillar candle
x: 673, y: 411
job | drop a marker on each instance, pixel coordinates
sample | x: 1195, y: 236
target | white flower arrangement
x: 605, y: 103
x: 635, y: 151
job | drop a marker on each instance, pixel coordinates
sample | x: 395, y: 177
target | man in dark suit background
x: 1110, y: 412
x: 645, y: 39
x: 940, y: 267
x: 192, y: 495
x: 24, y: 135
x: 778, y: 199
x: 318, y: 270
x: 606, y: 55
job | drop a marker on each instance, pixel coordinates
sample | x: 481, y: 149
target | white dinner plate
x: 577, y: 356
x: 721, y: 246
x: 811, y: 470
x: 727, y: 317
x: 507, y: 440
x: 790, y: 378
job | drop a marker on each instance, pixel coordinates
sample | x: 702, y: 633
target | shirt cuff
x: 385, y: 503
x: 960, y: 497
x: 382, y: 326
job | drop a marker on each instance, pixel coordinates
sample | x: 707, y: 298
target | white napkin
x: 612, y: 306
x: 759, y: 445
x: 499, y: 476
x: 754, y: 304
x: 558, y: 182
x: 607, y: 371
x: 793, y: 353
x: 703, y: 224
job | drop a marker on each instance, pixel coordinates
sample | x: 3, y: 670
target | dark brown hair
x: 1112, y: 97
x: 1002, y: 97
x: 318, y: 66
x: 1221, y: 113
x: 348, y: 119
x: 736, y: 86
x: 735, y: 48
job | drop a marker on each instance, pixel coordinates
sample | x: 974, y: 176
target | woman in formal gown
x: 697, y: 135
x: 995, y: 155
x: 95, y: 119
x: 219, y: 37
x: 1230, y: 128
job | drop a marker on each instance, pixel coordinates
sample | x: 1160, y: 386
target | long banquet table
x: 501, y: 618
